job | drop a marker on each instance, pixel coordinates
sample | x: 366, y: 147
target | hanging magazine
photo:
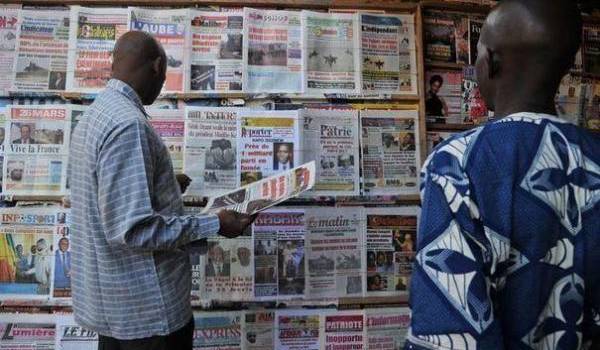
x: 92, y: 37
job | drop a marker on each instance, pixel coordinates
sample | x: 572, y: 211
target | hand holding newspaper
x: 263, y: 194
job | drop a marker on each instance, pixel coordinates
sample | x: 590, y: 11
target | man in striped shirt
x: 131, y: 274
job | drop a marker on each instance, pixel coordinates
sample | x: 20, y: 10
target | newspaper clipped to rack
x: 210, y: 152
x: 20, y: 331
x: 273, y: 59
x: 170, y: 28
x: 42, y: 49
x: 37, y: 149
x: 389, y: 59
x: 10, y: 18
x: 333, y: 53
x: 92, y: 37
x: 263, y: 194
x: 71, y: 336
x: 216, y: 54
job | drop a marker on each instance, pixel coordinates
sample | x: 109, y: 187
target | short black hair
x: 437, y: 78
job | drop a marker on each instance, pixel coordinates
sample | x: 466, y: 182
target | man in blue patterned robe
x: 509, y: 239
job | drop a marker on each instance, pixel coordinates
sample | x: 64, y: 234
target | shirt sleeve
x: 450, y: 299
x: 125, y: 171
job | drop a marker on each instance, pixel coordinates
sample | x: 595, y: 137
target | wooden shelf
x: 450, y: 127
x: 445, y: 65
x: 392, y: 5
x: 479, y: 7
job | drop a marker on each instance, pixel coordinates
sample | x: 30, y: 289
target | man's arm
x: 449, y: 293
x: 125, y: 180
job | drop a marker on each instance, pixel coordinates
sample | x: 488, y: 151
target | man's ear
x: 157, y: 65
x: 493, y: 62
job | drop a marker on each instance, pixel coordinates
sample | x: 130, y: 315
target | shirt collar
x: 127, y: 91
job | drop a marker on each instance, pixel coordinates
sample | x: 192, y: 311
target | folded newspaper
x: 260, y: 195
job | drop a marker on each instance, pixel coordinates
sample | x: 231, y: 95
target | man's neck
x: 510, y: 103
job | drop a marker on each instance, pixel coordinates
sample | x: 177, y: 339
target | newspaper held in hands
x: 263, y: 194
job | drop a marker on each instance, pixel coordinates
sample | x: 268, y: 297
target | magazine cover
x: 440, y: 38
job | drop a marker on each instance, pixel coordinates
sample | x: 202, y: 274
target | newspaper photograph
x: 389, y: 54
x: 70, y: 336
x: 26, y: 254
x: 36, y: 149
x: 169, y: 124
x: 226, y: 272
x: 333, y: 52
x: 42, y: 48
x: 10, y: 21
x: 387, y: 328
x: 298, y: 330
x: 20, y: 331
x: 344, y: 330
x: 391, y: 246
x: 279, y: 249
x: 217, y: 330
x: 170, y: 28
x: 258, y: 330
x: 258, y: 196
x: 61, y: 286
x: 268, y: 142
x: 391, y: 154
x: 273, y: 61
x: 92, y: 37
x: 210, y: 152
x: 216, y: 51
x: 334, y: 252
x: 331, y: 139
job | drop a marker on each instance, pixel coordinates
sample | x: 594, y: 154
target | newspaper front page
x: 70, y: 336
x: 169, y: 124
x: 216, y: 51
x: 344, y: 330
x: 26, y: 254
x: 334, y: 252
x: 27, y: 331
x: 330, y: 138
x: 92, y: 37
x: 390, y: 152
x: 391, y: 241
x: 387, y: 328
x: 210, y: 152
x: 217, y: 330
x: 61, y: 281
x: 42, y: 49
x: 170, y: 28
x: 279, y: 254
x: 3, y: 112
x: 258, y: 330
x: 226, y: 270
x: 10, y: 21
x: 268, y: 142
x: 265, y: 193
x: 389, y: 54
x: 273, y: 61
x: 298, y: 330
x: 37, y: 149
x: 332, y: 52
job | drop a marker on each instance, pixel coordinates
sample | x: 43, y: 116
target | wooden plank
x: 478, y: 8
x: 421, y: 83
x: 445, y: 65
x: 450, y: 127
x: 306, y: 4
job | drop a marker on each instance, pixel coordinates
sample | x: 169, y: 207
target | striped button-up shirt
x: 131, y: 275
